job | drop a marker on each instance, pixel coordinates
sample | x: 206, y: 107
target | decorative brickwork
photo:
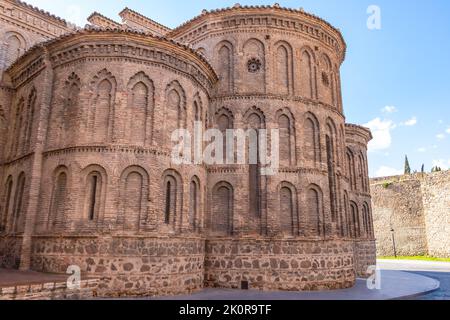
x: 87, y: 176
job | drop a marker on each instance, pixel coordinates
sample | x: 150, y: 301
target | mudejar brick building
x: 87, y: 177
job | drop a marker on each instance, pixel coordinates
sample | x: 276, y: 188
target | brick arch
x: 16, y: 45
x: 316, y: 213
x: 7, y: 202
x: 175, y: 111
x: 288, y: 209
x: 284, y: 65
x: 311, y: 139
x: 332, y: 157
x: 308, y: 83
x: 18, y: 212
x: 195, y: 197
x: 221, y: 210
x: 133, y: 195
x: 140, y: 111
x: 58, y: 200
x: 351, y: 165
x: 328, y: 80
x: 355, y: 225
x: 101, y: 111
x: 288, y: 136
x: 95, y: 182
x: 254, y: 50
x: 71, y: 108
x: 29, y: 124
x: 172, y: 189
x: 225, y: 52
x: 18, y: 128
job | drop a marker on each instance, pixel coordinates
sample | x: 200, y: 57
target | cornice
x: 116, y: 42
x: 110, y: 22
x: 359, y: 131
x: 44, y: 14
x: 295, y: 19
x: 141, y: 19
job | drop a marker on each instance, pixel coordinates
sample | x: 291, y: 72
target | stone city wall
x: 417, y: 209
x: 279, y: 264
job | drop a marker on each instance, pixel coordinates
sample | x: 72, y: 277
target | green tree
x: 407, y: 166
x: 423, y: 168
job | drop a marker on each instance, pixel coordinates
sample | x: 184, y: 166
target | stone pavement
x: 394, y: 285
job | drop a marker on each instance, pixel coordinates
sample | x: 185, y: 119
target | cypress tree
x: 407, y: 166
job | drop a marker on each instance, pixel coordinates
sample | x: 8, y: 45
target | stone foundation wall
x: 364, y: 256
x: 127, y: 266
x: 10, y: 249
x: 279, y: 264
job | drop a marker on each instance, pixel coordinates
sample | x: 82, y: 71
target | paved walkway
x: 394, y: 285
x: 436, y: 270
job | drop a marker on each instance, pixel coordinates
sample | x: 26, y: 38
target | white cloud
x: 381, y: 131
x: 441, y: 163
x: 422, y: 150
x: 440, y: 136
x: 410, y: 123
x: 448, y: 130
x: 385, y: 171
x: 389, y: 109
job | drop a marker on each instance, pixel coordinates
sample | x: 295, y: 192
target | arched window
x: 18, y: 209
x: 29, y: 119
x: 94, y: 191
x: 221, y: 220
x: 331, y: 144
x: 254, y: 75
x: 255, y: 121
x: 194, y: 197
x: 351, y: 169
x: 7, y: 196
x: 58, y: 203
x: 173, y: 198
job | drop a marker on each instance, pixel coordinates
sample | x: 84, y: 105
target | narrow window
x: 168, y: 202
x: 93, y: 200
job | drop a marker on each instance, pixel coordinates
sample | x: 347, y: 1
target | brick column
x: 36, y: 168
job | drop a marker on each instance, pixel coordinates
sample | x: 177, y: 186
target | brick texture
x: 87, y: 177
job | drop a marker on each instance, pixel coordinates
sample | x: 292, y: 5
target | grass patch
x: 420, y: 258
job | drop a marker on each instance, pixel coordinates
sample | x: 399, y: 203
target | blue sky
x: 395, y: 80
